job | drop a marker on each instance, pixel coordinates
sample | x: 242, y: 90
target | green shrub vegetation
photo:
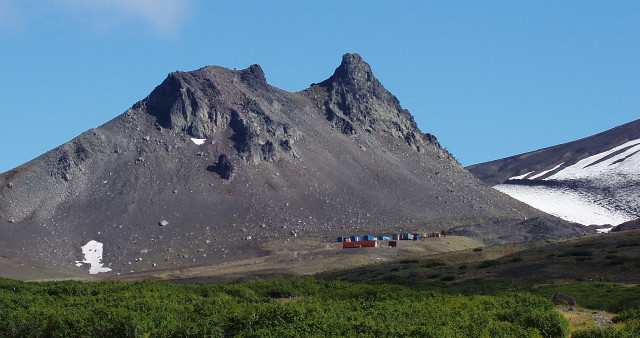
x: 585, y: 244
x: 288, y: 308
x: 617, y: 260
x: 631, y: 317
x: 433, y: 264
x: 409, y: 261
x: 309, y: 307
x: 609, y: 297
x: 631, y: 330
x: 621, y: 299
x: 628, y: 244
x: 488, y: 264
x: 579, y: 252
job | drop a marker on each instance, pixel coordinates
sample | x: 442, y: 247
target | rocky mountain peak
x: 254, y: 77
x: 191, y: 101
x: 216, y: 166
x: 214, y: 101
x: 353, y: 69
x: 357, y: 102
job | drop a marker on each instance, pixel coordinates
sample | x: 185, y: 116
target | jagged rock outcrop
x: 223, y: 167
x: 562, y: 299
x: 357, y: 101
x: 213, y: 100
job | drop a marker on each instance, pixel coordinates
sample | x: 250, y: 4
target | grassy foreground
x: 304, y: 307
x: 301, y: 307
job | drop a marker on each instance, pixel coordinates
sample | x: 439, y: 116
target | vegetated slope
x: 600, y: 272
x: 630, y: 225
x: 215, y: 162
x: 290, y: 308
x: 594, y: 180
x: 613, y: 257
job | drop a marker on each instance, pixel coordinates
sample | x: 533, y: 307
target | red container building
x: 360, y: 244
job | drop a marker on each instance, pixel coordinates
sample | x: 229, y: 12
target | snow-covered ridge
x: 621, y: 161
x: 600, y: 189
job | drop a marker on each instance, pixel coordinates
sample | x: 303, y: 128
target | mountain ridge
x: 592, y: 180
x: 215, y: 163
x: 498, y: 171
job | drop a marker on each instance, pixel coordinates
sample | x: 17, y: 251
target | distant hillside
x: 594, y: 180
x: 610, y: 257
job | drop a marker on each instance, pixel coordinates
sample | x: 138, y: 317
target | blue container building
x: 368, y: 238
x: 355, y: 238
x: 407, y: 237
x: 340, y: 239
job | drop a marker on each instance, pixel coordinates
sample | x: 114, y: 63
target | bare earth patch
x: 582, y: 318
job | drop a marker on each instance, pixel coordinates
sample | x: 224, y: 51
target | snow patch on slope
x: 92, y: 252
x: 614, y: 169
x: 198, y: 141
x: 600, y: 189
x: 604, y: 230
x: 567, y: 204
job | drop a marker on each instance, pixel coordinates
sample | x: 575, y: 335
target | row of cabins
x: 366, y: 241
x: 395, y: 237
x: 371, y: 241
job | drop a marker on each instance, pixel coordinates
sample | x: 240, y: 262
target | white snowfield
x: 92, y: 252
x: 615, y: 169
x: 198, y: 141
x: 600, y: 189
x: 565, y: 203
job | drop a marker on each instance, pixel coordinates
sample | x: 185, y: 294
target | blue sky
x: 489, y: 78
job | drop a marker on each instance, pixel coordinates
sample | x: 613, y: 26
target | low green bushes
x: 488, y: 264
x: 301, y: 307
x: 631, y: 330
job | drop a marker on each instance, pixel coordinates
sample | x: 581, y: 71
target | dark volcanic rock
x: 341, y: 157
x: 217, y: 100
x: 223, y: 167
x: 357, y: 98
x: 631, y: 225
x: 562, y: 299
x: 517, y: 230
